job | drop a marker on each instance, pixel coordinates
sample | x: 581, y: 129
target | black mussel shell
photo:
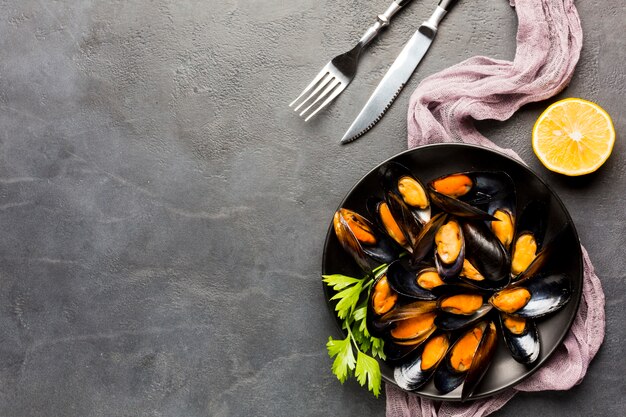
x: 381, y: 283
x: 367, y: 256
x: 504, y: 208
x: 404, y: 281
x: 397, y: 354
x: 390, y: 174
x: 410, y: 375
x: 458, y: 208
x: 408, y: 223
x: 373, y: 205
x: 532, y: 222
x: 487, y: 254
x: 381, y: 325
x: 481, y: 362
x: 449, y: 271
x: 448, y: 322
x: 525, y: 346
x: 426, y: 239
x: 480, y: 187
x: 447, y: 378
x: 548, y: 294
x: 544, y: 257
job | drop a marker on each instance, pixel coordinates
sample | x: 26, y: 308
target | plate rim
x: 577, y: 301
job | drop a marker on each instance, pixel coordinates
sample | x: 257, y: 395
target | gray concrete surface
x: 162, y: 211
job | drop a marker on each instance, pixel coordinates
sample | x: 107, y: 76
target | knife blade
x: 398, y: 74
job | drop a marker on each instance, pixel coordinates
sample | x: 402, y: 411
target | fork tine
x: 308, y: 88
x: 327, y: 78
x: 338, y: 90
x: 328, y: 89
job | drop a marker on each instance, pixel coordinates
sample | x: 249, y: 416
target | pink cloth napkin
x: 443, y: 109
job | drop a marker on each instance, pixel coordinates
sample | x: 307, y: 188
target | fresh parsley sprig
x: 353, y: 295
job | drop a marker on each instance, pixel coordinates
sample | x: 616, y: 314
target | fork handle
x: 382, y: 21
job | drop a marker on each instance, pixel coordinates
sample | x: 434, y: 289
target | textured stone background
x: 162, y: 210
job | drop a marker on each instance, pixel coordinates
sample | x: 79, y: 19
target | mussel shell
x: 375, y: 328
x: 506, y: 202
x: 533, y: 219
x: 398, y: 354
x: 486, y: 186
x: 447, y: 378
x: 373, y: 205
x: 524, y: 347
x: 487, y: 255
x: 544, y: 257
x: 408, y: 223
x: 449, y: 322
x: 410, y: 375
x: 450, y: 271
x: 426, y: 239
x: 404, y: 281
x: 458, y: 208
x: 548, y: 294
x: 389, y: 176
x: 366, y: 256
x: 481, y: 362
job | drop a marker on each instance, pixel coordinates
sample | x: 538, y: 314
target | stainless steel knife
x: 399, y: 73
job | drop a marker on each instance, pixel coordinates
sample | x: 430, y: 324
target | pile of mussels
x: 470, y: 266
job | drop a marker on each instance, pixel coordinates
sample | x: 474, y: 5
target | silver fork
x: 337, y: 74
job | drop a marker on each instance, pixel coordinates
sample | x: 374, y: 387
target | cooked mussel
x: 503, y: 208
x: 460, y: 310
x: 379, y: 210
x: 417, y: 284
x: 488, y: 263
x: 426, y: 238
x: 362, y: 241
x: 414, y: 374
x: 466, y: 194
x: 400, y: 181
x: 529, y: 237
x: 467, y: 360
x: 409, y: 324
x: 449, y: 250
x: 534, y: 297
x: 521, y: 337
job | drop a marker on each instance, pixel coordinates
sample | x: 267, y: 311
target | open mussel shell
x: 449, y: 250
x: 415, y: 373
x: 541, y: 261
x: 409, y: 324
x: 379, y: 210
x: 407, y: 282
x: 358, y: 236
x: 486, y: 255
x: 409, y: 224
x: 400, y: 181
x: 504, y: 208
x: 521, y: 337
x: 382, y: 299
x: 535, y: 297
x: 467, y: 360
x: 426, y: 238
x: 468, y: 194
x: 529, y: 236
x: 461, y: 310
x: 458, y: 208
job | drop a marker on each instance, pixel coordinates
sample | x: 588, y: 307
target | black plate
x: 432, y: 161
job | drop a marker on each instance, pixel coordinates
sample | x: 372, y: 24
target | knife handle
x: 382, y: 21
x: 447, y: 4
x: 430, y: 26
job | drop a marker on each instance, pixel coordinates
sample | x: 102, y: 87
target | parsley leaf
x: 344, y: 361
x: 367, y: 369
x: 353, y: 295
x: 348, y: 298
